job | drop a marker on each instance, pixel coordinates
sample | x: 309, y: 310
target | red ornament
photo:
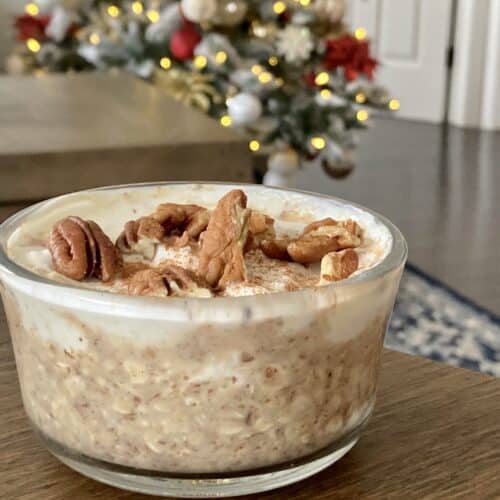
x: 31, y: 26
x: 351, y: 54
x: 184, y: 41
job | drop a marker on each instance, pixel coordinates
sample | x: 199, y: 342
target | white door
x: 411, y: 39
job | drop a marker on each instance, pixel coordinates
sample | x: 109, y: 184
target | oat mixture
x: 201, y: 395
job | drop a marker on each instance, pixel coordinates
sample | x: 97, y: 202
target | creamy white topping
x: 112, y: 209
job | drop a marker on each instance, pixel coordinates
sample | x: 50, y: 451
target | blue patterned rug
x: 433, y: 321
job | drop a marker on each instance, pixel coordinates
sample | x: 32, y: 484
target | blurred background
x: 279, y: 92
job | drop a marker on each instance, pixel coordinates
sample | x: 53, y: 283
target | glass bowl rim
x: 393, y: 260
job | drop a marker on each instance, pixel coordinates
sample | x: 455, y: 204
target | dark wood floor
x: 441, y: 187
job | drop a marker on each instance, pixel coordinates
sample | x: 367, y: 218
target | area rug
x: 434, y: 321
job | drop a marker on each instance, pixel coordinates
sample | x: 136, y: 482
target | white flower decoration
x: 294, y: 43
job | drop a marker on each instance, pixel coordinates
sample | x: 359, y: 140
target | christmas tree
x: 285, y: 73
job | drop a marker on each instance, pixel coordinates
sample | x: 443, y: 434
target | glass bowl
x: 195, y: 397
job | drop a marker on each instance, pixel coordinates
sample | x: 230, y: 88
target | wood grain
x: 435, y: 434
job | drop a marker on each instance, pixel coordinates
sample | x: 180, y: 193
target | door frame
x: 474, y: 99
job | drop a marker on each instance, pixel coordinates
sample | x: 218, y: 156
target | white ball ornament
x: 285, y: 161
x: 199, y: 11
x: 230, y: 12
x: 330, y: 10
x: 244, y: 108
x: 283, y: 166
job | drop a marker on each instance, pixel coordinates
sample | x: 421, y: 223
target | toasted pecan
x: 168, y: 280
x: 80, y: 249
x: 221, y: 256
x: 141, y: 236
x: 260, y: 228
x: 337, y: 266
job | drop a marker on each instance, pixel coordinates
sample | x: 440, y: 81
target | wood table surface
x: 435, y: 433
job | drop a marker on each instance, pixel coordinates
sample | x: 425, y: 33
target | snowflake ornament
x: 295, y: 43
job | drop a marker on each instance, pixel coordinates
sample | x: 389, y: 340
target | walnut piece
x: 337, y: 266
x: 80, y: 249
x: 169, y: 280
x: 180, y: 220
x: 141, y: 237
x: 260, y: 228
x: 322, y: 237
x: 221, y: 256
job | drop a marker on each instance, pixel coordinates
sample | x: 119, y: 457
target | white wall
x: 8, y: 10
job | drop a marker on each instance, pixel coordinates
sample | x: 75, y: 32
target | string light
x: 31, y: 9
x: 360, y: 98
x: 279, y: 82
x: 362, y: 115
x: 273, y: 61
x: 153, y: 15
x: 113, y: 11
x: 279, y: 7
x: 318, y: 142
x: 33, y: 45
x: 94, y: 39
x: 220, y: 57
x: 322, y: 78
x: 254, y: 145
x: 394, y: 104
x: 360, y: 33
x: 256, y: 69
x: 165, y: 62
x: 304, y: 3
x: 200, y: 62
x: 137, y: 8
x: 265, y: 77
x: 326, y: 94
x: 226, y: 121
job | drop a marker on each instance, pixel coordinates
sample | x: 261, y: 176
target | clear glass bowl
x: 199, y: 397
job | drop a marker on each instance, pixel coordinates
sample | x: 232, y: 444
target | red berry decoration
x: 31, y: 26
x: 184, y: 41
x: 351, y: 54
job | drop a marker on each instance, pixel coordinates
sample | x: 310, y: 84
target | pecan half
x: 260, y: 228
x: 322, y: 237
x: 179, y: 219
x: 276, y: 248
x: 221, y: 255
x: 337, y: 266
x: 168, y: 280
x: 80, y: 249
x: 141, y: 237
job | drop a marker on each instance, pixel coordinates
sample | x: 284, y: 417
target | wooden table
x: 435, y: 434
x: 61, y: 133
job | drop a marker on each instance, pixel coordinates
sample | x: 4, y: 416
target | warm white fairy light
x: 226, y: 121
x: 273, y: 61
x: 322, y: 78
x: 200, y: 62
x: 94, y: 39
x: 153, y: 15
x: 362, y: 115
x: 31, y: 9
x: 220, y: 57
x: 326, y: 93
x: 360, y: 33
x: 33, y: 44
x: 137, y: 8
x: 113, y: 11
x: 165, y: 62
x: 265, y: 77
x: 279, y: 7
x: 318, y: 142
x: 394, y: 104
x: 254, y: 145
x: 360, y: 98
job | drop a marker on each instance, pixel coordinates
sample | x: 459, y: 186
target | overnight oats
x: 198, y: 339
